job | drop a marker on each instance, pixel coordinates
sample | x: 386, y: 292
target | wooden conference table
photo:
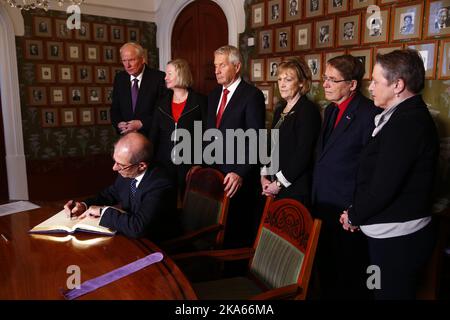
x: 35, y: 266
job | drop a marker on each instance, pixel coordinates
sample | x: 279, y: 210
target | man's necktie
x: 331, y: 121
x: 133, y: 190
x: 223, y: 103
x: 134, y: 93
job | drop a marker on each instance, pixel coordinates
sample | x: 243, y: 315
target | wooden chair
x: 204, y: 213
x: 280, y: 262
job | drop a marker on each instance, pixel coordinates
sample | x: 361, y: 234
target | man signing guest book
x: 143, y: 191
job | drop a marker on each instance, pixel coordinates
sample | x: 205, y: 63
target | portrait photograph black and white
x: 43, y: 27
x: 438, y: 19
x: 37, y: 96
x: 274, y: 12
x: 33, y: 49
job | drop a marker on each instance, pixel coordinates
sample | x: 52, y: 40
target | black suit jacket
x: 337, y: 160
x: 152, y: 214
x: 245, y: 110
x: 297, y: 139
x: 395, y: 176
x: 150, y: 90
x: 164, y: 125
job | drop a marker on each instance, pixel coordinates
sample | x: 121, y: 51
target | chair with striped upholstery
x: 280, y: 262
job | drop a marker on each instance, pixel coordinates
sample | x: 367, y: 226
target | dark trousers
x: 401, y: 261
x: 342, y: 259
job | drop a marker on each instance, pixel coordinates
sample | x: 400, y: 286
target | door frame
x: 169, y: 11
x: 12, y: 115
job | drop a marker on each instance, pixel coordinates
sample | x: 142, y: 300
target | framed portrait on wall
x: 107, y: 94
x: 37, y: 96
x: 272, y: 69
x: 45, y: 73
x: 438, y: 17
x: 407, y: 22
x: 274, y: 12
x: 303, y: 36
x: 73, y: 52
x: 101, y: 74
x: 283, y: 41
x: 324, y: 34
x: 42, y: 26
x: 257, y: 70
x: 49, y: 117
x: 293, y: 9
x: 34, y: 50
x: 376, y: 28
x: 76, y: 95
x: 337, y: 6
x: 61, y: 30
x: 84, y: 74
x: 133, y: 34
x: 444, y: 60
x: 365, y: 56
x: 348, y: 30
x: 314, y: 62
x: 94, y: 95
x: 267, y: 91
x: 104, y: 115
x: 359, y: 4
x: 84, y: 33
x: 69, y: 117
x: 92, y: 53
x: 100, y: 32
x: 115, y: 71
x: 265, y: 41
x: 65, y: 74
x: 109, y: 54
x: 117, y: 34
x: 86, y: 116
x: 55, y: 51
x: 58, y: 95
x: 386, y: 49
x: 314, y: 8
x: 331, y: 54
x: 258, y: 15
x: 428, y: 52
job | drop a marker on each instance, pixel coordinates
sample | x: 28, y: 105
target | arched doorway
x: 200, y: 29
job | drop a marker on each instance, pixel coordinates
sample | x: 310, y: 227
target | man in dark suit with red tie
x: 235, y: 104
x: 342, y: 257
x: 135, y: 92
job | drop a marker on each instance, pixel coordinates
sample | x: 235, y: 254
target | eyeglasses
x: 123, y: 167
x: 332, y: 80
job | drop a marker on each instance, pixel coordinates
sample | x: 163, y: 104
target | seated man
x: 145, y: 194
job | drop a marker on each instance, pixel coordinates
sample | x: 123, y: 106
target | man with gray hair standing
x: 235, y: 104
x: 135, y: 92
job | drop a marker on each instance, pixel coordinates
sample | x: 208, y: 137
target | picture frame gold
x: 265, y: 42
x: 257, y: 70
x: 314, y: 62
x: 428, y: 52
x: 293, y: 10
x: 272, y: 68
x: 314, y: 8
x: 407, y: 22
x: 303, y: 36
x: 349, y: 30
x: 376, y: 28
x: 366, y: 56
x: 274, y: 12
x: 438, y: 18
x: 258, y: 15
x: 283, y: 39
x: 324, y: 33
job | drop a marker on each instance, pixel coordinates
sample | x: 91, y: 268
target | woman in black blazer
x: 180, y: 108
x: 298, y: 122
x: 393, y: 198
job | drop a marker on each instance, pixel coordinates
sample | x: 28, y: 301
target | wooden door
x: 200, y: 29
x: 3, y: 177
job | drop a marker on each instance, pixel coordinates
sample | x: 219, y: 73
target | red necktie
x: 223, y: 103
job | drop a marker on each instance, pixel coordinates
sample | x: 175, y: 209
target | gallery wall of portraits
x: 65, y: 80
x: 318, y: 30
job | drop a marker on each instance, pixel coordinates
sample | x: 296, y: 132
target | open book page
x: 60, y: 222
